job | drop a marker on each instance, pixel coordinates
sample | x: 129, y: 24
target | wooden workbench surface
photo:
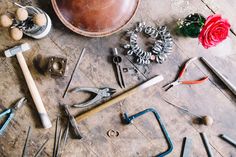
x: 143, y: 137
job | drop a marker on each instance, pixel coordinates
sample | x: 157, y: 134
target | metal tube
x: 228, y: 139
x: 187, y: 147
x: 206, y: 144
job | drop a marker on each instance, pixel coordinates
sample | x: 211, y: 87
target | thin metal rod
x: 41, y: 148
x: 65, y: 136
x: 55, y: 138
x: 181, y: 108
x: 206, y: 144
x: 59, y: 142
x: 72, y: 75
x: 228, y: 139
x: 26, y: 141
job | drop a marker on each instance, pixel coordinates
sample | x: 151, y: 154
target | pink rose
x: 214, y: 31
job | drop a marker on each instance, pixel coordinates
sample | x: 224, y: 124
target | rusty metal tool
x: 117, y: 60
x: 128, y: 119
x: 11, y: 112
x: 181, y: 73
x: 72, y: 122
x: 73, y: 72
x: 228, y: 139
x: 18, y: 50
x: 101, y: 93
x: 221, y: 77
x: 206, y: 144
x: 120, y: 97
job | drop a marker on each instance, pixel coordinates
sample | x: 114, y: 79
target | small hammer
x: 18, y: 50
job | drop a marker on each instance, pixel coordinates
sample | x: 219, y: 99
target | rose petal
x: 214, y: 31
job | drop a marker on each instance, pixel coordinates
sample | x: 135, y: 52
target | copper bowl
x: 95, y: 18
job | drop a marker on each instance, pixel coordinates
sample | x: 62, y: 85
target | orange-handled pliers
x: 181, y: 73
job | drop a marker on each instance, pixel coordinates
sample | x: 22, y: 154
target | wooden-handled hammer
x: 18, y: 50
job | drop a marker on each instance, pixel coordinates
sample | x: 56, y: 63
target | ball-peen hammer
x: 18, y: 50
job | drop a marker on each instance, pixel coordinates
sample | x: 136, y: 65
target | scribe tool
x: 24, y: 152
x: 11, y: 112
x: 117, y: 60
x: 73, y: 72
x: 189, y: 82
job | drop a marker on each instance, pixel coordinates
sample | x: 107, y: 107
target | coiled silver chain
x: 161, y: 48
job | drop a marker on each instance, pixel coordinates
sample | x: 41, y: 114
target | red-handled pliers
x: 181, y: 73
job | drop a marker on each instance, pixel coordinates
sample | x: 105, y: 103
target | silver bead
x: 127, y: 46
x: 130, y: 52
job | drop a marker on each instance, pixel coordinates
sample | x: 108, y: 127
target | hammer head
x: 17, y: 49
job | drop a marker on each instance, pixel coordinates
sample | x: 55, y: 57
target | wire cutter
x: 11, y: 112
x: 189, y: 82
x: 101, y: 93
x: 117, y: 60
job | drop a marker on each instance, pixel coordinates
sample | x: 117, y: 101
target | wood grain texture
x: 143, y: 137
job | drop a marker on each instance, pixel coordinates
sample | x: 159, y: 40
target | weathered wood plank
x: 143, y: 137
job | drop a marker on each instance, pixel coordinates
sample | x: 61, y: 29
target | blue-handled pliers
x: 11, y: 112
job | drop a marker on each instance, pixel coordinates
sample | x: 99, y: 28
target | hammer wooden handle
x: 34, y: 91
x: 120, y: 97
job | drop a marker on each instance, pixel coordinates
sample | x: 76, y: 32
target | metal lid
x: 95, y: 18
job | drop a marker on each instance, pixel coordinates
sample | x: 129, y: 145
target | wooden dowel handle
x: 34, y: 91
x: 120, y: 97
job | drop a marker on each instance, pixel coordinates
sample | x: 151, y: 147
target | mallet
x: 18, y: 50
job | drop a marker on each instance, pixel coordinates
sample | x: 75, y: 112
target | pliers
x: 11, y: 112
x: 178, y: 81
x: 117, y: 60
x: 101, y: 93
